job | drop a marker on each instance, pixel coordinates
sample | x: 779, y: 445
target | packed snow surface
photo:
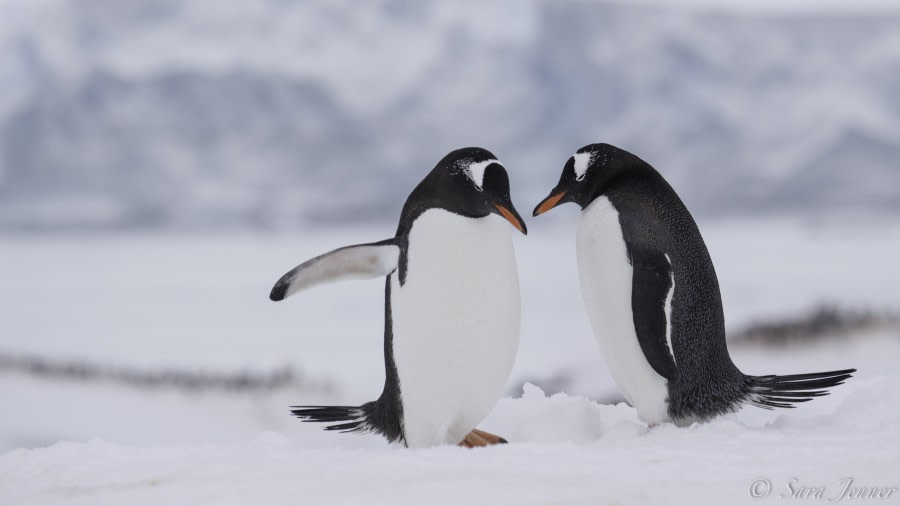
x: 563, y: 450
x: 200, y: 302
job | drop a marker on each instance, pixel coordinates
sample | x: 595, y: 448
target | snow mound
x: 563, y: 450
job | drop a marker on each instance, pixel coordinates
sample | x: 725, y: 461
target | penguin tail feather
x: 354, y: 418
x: 774, y: 391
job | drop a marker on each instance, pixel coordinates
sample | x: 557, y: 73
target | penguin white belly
x: 606, y: 277
x: 455, y: 324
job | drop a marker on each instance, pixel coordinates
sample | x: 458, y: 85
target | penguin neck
x: 429, y: 194
x: 612, y: 181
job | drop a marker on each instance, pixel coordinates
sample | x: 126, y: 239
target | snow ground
x: 566, y: 450
x: 199, y: 303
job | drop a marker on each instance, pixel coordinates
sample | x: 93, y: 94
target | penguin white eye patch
x: 581, y: 164
x: 475, y: 171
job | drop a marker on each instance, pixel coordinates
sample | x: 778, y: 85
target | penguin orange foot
x: 481, y: 438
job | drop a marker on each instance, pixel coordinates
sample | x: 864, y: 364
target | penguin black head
x: 587, y: 174
x: 470, y: 182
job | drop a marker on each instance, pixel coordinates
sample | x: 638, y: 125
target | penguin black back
x: 653, y: 218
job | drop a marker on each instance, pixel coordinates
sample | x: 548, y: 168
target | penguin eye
x: 581, y: 162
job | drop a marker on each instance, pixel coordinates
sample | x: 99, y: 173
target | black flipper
x: 651, y: 283
x: 773, y: 391
x: 362, y: 261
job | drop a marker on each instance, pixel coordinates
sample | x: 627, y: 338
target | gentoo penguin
x: 653, y: 299
x: 451, y: 307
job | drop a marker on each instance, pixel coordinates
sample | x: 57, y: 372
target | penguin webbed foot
x: 481, y: 438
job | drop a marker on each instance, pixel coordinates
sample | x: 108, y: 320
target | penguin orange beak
x: 512, y: 217
x: 549, y: 203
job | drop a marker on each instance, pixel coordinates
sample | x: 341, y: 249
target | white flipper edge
x: 362, y: 261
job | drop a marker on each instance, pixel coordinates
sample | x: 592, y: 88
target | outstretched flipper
x: 652, y: 289
x: 362, y: 261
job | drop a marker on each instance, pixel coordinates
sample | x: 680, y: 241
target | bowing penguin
x: 652, y: 296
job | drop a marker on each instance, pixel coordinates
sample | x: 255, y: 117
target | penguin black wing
x: 651, y: 288
x: 361, y: 261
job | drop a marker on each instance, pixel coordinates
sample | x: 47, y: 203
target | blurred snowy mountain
x: 271, y: 113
